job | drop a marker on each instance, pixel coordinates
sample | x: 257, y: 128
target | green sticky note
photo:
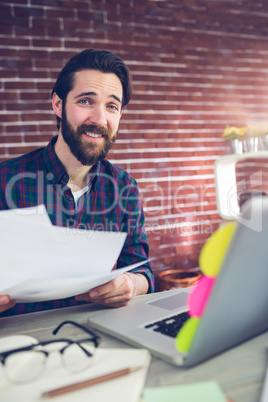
x: 186, y: 334
x: 202, y: 392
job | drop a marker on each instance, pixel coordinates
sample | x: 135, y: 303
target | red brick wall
x: 196, y: 65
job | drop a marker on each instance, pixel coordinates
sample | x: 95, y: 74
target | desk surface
x: 240, y: 371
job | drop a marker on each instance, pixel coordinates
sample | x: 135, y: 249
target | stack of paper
x: 41, y: 262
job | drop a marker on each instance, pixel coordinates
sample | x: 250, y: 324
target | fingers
x: 6, y: 303
x: 116, y: 293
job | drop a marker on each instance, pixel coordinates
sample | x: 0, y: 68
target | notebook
x: 127, y: 388
x: 236, y: 311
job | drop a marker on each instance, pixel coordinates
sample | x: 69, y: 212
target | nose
x: 98, y: 116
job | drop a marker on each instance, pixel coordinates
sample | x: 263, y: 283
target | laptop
x: 236, y: 311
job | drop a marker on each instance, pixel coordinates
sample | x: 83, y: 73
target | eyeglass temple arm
x: 76, y: 325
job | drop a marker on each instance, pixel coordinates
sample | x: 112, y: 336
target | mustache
x: 93, y: 128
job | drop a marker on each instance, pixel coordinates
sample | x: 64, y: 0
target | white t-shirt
x: 78, y: 194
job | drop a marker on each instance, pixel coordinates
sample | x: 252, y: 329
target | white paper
x: 39, y: 261
x: 124, y: 389
x: 34, y: 290
x: 37, y: 215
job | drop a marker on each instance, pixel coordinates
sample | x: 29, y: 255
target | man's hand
x: 6, y: 303
x: 118, y: 292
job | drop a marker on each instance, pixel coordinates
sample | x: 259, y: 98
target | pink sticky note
x: 197, y: 300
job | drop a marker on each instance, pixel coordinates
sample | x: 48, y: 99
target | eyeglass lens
x: 25, y: 366
x: 75, y: 358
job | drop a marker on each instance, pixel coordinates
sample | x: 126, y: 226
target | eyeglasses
x: 26, y: 364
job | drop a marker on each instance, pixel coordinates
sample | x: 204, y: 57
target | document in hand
x: 42, y: 262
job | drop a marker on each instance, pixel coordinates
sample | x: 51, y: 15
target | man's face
x: 91, y: 115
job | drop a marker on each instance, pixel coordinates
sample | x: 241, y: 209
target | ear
x: 57, y: 105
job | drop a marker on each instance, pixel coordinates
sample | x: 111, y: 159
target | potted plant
x: 234, y: 135
x: 254, y: 135
x: 251, y: 140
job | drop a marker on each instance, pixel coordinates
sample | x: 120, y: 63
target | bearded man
x: 79, y: 187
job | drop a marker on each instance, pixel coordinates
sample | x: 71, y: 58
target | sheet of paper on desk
x: 196, y: 392
x: 39, y: 261
x: 123, y: 389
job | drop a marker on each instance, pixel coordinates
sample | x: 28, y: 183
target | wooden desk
x: 240, y: 371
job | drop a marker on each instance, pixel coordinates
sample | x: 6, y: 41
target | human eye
x: 84, y: 102
x: 113, y: 107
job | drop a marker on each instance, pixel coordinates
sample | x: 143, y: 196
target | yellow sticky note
x: 214, y: 250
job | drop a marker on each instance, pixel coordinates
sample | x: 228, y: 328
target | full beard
x: 91, y: 153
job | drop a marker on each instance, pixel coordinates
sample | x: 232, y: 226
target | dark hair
x: 92, y: 59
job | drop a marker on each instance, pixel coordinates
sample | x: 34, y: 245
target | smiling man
x: 79, y: 187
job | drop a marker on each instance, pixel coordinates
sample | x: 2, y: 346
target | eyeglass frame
x: 96, y: 339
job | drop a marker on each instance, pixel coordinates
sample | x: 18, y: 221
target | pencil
x: 88, y: 383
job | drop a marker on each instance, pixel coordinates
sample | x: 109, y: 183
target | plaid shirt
x: 111, y: 203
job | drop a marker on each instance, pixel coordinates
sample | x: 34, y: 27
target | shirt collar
x: 93, y: 176
x: 52, y: 163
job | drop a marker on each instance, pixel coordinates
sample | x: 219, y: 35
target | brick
x: 4, y: 118
x: 5, y: 52
x: 32, y: 53
x: 10, y: 139
x: 37, y: 138
x: 12, y: 85
x: 16, y: 151
x: 21, y: 128
x: 18, y: 2
x: 49, y: 43
x: 36, y: 96
x: 8, y: 73
x: 60, y: 13
x: 33, y: 117
x: 43, y: 128
x: 21, y: 106
x: 29, y: 31
x: 28, y: 11
x: 15, y: 42
x: 33, y: 74
x: 84, y: 4
x: 16, y: 63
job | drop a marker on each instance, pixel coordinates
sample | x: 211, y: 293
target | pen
x: 87, y: 383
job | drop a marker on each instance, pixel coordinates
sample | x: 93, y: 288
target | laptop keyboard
x: 169, y: 326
